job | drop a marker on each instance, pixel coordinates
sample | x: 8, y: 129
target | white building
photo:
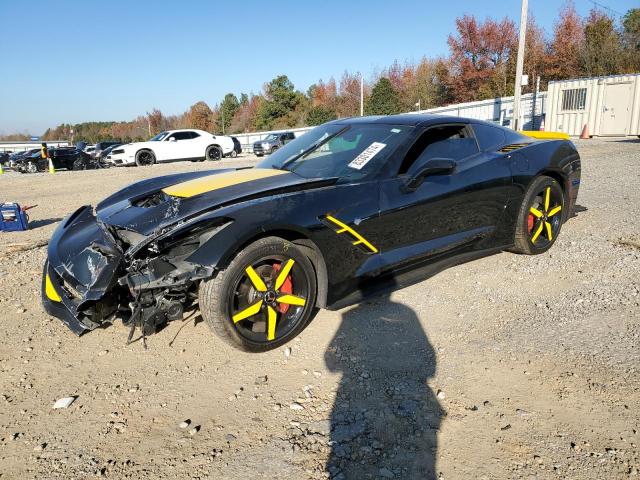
x: 609, y: 106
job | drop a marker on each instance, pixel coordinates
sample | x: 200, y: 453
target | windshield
x: 346, y: 151
x: 271, y: 136
x: 159, y: 137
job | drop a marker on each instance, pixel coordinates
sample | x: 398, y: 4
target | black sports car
x: 352, y: 208
x: 70, y: 158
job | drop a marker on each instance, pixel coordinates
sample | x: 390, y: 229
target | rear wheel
x: 263, y: 299
x: 145, y: 158
x: 233, y: 154
x: 213, y: 153
x: 540, y: 217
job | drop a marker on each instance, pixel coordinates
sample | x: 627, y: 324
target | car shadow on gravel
x: 385, y: 419
x: 42, y: 223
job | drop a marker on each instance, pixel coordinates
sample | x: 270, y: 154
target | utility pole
x: 519, y: 66
x: 222, y: 113
x: 361, y: 95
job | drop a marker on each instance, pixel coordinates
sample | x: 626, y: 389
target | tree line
x: 480, y: 65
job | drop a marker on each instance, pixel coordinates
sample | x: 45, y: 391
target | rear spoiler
x: 545, y: 135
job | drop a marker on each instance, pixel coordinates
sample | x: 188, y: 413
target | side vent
x: 512, y: 147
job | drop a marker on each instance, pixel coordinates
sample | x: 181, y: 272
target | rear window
x: 489, y: 137
x: 447, y: 141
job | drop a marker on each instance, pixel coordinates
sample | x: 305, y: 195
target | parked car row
x: 69, y: 158
x: 168, y: 146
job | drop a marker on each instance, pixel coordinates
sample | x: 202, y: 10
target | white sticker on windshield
x: 366, y: 155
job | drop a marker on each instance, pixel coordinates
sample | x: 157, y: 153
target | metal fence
x: 497, y: 110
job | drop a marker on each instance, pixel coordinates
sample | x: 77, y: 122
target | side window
x: 194, y: 134
x: 489, y: 137
x: 448, y: 141
x: 181, y: 136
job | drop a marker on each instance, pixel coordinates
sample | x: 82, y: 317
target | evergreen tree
x: 383, y: 100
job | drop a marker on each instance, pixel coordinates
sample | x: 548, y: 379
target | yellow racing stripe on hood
x: 197, y: 186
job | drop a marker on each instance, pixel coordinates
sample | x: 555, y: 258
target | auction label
x: 367, y: 154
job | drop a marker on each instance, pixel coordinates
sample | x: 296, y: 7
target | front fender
x: 220, y: 249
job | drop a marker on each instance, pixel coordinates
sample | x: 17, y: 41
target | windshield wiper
x: 312, y: 147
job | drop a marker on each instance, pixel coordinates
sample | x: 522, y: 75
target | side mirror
x: 421, y: 170
x: 172, y: 139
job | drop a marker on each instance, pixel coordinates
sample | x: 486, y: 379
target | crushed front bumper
x: 81, y: 272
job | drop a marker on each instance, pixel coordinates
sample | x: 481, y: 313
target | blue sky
x: 73, y: 61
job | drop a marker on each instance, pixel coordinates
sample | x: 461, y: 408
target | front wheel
x: 540, y: 217
x: 145, y: 158
x: 213, y: 153
x: 263, y: 299
x: 32, y: 167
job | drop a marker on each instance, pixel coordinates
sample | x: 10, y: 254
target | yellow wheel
x: 541, y: 217
x: 263, y: 299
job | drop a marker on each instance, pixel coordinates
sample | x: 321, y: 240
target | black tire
x: 273, y: 149
x: 539, y: 219
x: 213, y: 153
x: 78, y: 165
x: 231, y: 292
x: 258, y: 154
x: 145, y: 158
x: 233, y: 154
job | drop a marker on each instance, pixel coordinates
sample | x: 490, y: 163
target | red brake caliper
x: 530, y: 220
x: 287, y: 287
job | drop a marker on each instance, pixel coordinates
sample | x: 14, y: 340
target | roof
x: 411, y: 119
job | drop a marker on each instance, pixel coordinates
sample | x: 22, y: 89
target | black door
x: 457, y: 207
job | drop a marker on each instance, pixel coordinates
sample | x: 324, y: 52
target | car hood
x: 151, y: 206
x: 137, y: 145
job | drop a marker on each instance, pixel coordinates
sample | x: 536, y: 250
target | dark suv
x: 272, y: 143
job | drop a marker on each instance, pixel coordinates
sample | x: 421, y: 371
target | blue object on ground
x: 13, y: 218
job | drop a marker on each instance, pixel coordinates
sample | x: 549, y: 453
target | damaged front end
x: 97, y: 272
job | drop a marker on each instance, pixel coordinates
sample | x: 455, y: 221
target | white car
x: 187, y: 144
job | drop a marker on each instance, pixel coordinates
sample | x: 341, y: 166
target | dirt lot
x: 507, y: 367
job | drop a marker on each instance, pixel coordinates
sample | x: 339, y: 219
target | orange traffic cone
x: 585, y: 133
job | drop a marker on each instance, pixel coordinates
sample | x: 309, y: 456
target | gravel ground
x: 506, y: 367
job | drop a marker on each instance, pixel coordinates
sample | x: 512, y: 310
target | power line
x: 608, y: 9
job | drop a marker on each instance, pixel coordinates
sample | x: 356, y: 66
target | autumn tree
x: 200, y: 116
x: 478, y: 60
x: 535, y: 55
x: 348, y: 101
x: 156, y: 121
x: 245, y: 118
x: 563, y: 52
x: 383, y: 100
